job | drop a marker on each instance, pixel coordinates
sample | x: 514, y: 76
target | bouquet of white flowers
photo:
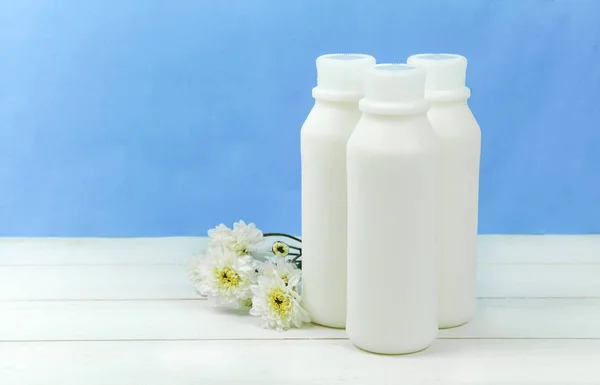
x: 233, y: 272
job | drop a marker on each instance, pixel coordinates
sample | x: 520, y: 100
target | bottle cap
x: 340, y: 77
x: 446, y: 74
x: 394, y: 89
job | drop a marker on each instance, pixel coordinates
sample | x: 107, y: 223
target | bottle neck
x: 394, y: 119
x: 352, y: 104
x: 462, y: 93
x: 375, y: 107
x: 322, y: 93
x: 448, y: 103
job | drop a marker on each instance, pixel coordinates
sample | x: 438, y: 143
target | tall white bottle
x: 324, y: 136
x: 460, y: 140
x: 392, y: 196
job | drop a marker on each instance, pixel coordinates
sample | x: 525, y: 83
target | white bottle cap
x: 394, y: 89
x: 340, y: 77
x: 446, y: 74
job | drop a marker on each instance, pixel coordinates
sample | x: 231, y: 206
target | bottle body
x: 392, y: 176
x: 324, y: 137
x: 460, y: 147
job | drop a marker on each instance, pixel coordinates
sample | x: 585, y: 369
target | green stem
x: 282, y: 235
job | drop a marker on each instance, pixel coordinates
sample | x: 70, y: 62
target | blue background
x: 150, y: 118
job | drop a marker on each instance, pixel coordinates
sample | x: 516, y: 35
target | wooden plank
x: 298, y: 362
x: 531, y: 318
x: 542, y: 249
x: 170, y: 282
x: 199, y: 320
x: 138, y: 320
x: 538, y: 281
x: 99, y: 251
x: 94, y: 282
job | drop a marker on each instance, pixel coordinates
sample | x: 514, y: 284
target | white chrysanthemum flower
x: 243, y: 239
x: 220, y: 236
x: 225, y: 277
x: 247, y: 238
x: 277, y: 301
x: 288, y: 272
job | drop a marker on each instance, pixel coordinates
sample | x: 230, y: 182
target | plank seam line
x: 295, y: 339
x: 105, y: 300
x: 183, y: 264
x: 481, y: 263
x: 95, y: 264
x: 558, y: 298
x: 205, y: 299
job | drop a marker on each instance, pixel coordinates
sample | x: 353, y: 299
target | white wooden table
x: 121, y: 311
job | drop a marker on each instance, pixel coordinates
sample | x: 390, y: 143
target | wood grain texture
x: 538, y: 280
x: 170, y: 282
x: 538, y: 249
x: 94, y: 282
x: 298, y: 362
x: 99, y: 251
x: 199, y: 320
x: 121, y: 311
x: 531, y: 318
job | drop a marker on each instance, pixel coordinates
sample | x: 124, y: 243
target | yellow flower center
x: 228, y: 277
x: 285, y: 277
x: 240, y: 249
x: 280, y: 248
x: 279, y: 301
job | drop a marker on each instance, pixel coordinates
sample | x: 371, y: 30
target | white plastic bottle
x: 392, y: 197
x: 460, y: 141
x: 324, y: 136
